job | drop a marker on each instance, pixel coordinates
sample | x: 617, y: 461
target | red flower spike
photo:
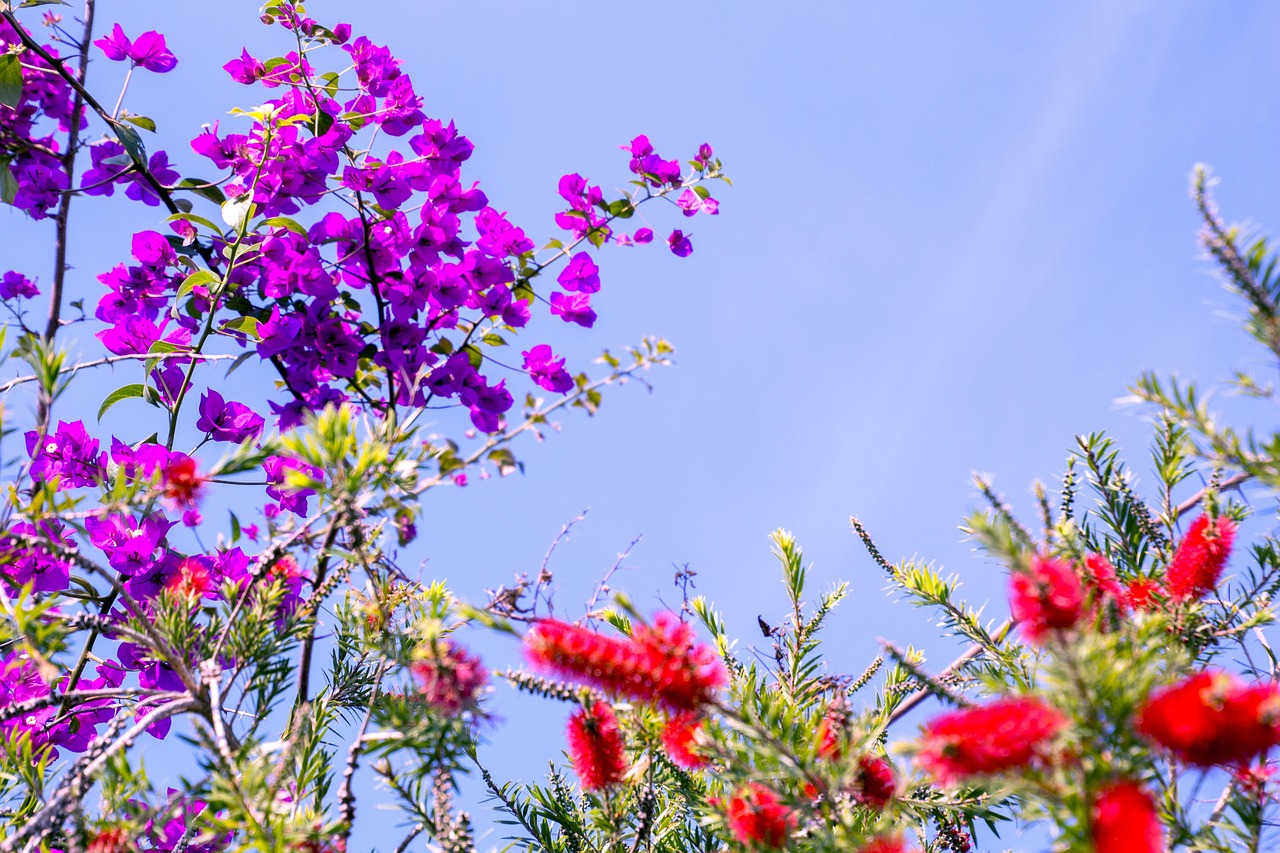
x: 450, y: 678
x: 192, y: 581
x: 1047, y: 597
x: 659, y: 664
x: 686, y: 675
x: 1213, y: 719
x: 758, y: 818
x: 679, y: 738
x: 112, y: 840
x: 182, y: 484
x: 1007, y: 734
x: 876, y: 785
x: 1125, y: 820
x: 1197, y: 565
x: 832, y: 730
x: 1101, y: 576
x: 1143, y: 593
x: 596, y: 747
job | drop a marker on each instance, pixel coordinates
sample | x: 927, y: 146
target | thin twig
x: 98, y: 362
x: 907, y: 705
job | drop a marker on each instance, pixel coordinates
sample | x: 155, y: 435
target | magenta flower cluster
x: 357, y: 264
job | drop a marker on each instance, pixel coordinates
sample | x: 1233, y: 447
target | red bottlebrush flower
x: 1143, y: 593
x: 757, y: 818
x: 832, y: 730
x: 1212, y: 718
x: 1103, y: 579
x: 192, y: 581
x: 449, y: 677
x: 679, y: 738
x: 596, y: 747
x: 1047, y: 597
x: 659, y: 664
x: 686, y: 675
x: 1197, y: 565
x: 876, y: 785
x: 182, y: 484
x: 112, y: 840
x: 1004, y: 735
x: 1125, y: 820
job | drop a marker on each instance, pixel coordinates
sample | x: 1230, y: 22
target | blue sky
x: 956, y: 232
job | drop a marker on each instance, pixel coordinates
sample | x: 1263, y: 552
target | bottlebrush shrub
x: 331, y: 237
x: 1128, y: 703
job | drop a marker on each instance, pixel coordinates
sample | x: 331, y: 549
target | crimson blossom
x: 679, y: 738
x: 758, y: 818
x: 1197, y: 565
x: 450, y: 678
x: 1213, y: 719
x: 1046, y: 598
x: 659, y: 663
x: 1124, y: 820
x: 596, y: 747
x: 1006, y: 734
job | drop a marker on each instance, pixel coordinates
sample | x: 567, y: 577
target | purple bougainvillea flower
x: 581, y: 275
x: 643, y: 235
x: 227, y: 421
x: 680, y: 245
x: 15, y: 285
x: 147, y: 50
x: 546, y: 370
x: 573, y: 308
x: 246, y: 69
x: 692, y: 204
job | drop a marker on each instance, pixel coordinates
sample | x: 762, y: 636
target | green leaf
x: 10, y: 80
x: 125, y: 392
x: 28, y: 4
x: 247, y: 325
x: 493, y: 339
x: 198, y: 220
x: 204, y: 189
x: 189, y: 284
x: 141, y: 121
x: 132, y: 143
x: 474, y: 355
x: 239, y: 360
x: 622, y: 208
x: 8, y: 186
x: 285, y: 222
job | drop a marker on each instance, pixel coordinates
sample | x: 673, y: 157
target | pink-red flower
x: 1007, y: 734
x: 1102, y: 579
x: 832, y: 729
x: 182, y: 483
x: 875, y: 786
x: 1124, y: 820
x: 596, y: 747
x: 1047, y: 597
x: 679, y: 738
x: 1143, y: 593
x: 1213, y: 718
x: 660, y: 663
x: 758, y: 818
x: 114, y: 839
x: 1197, y: 565
x: 450, y: 678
